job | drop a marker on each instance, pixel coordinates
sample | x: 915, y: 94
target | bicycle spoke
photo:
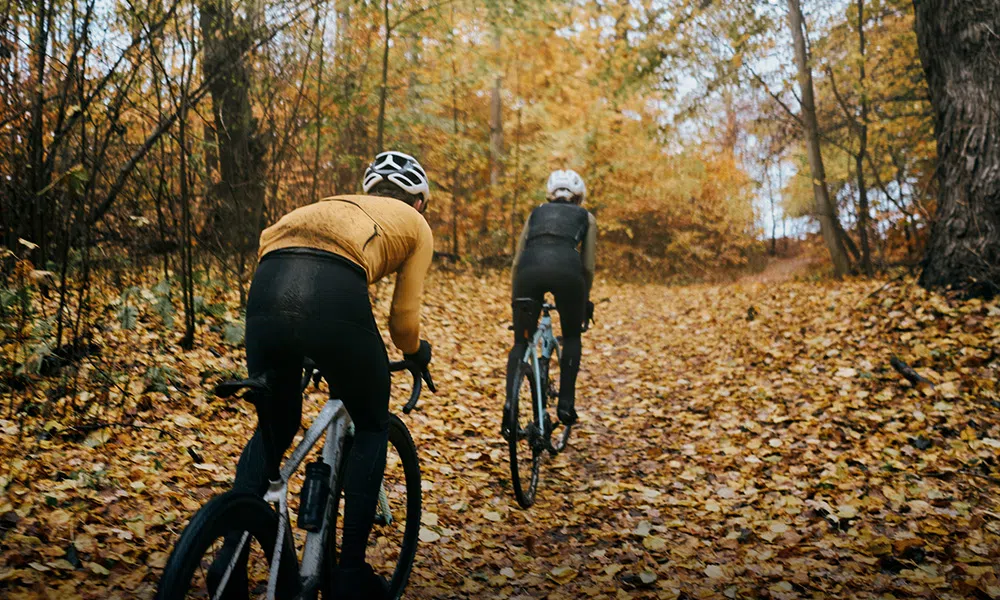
x: 205, y: 586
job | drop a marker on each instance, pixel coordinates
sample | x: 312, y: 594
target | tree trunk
x: 496, y: 138
x: 36, y: 201
x: 187, y: 268
x: 384, y: 89
x: 319, y: 111
x: 770, y: 198
x: 456, y: 182
x: 866, y: 254
x: 241, y: 152
x: 959, y: 47
x: 517, y: 163
x: 825, y: 212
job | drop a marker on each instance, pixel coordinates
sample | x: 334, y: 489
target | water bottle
x: 312, y: 499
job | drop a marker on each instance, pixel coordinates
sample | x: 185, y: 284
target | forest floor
x: 741, y: 441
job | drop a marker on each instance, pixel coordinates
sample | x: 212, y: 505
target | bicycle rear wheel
x: 392, y: 544
x: 524, y: 440
x: 198, y: 565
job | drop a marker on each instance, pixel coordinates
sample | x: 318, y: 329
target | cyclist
x: 309, y: 298
x: 555, y: 253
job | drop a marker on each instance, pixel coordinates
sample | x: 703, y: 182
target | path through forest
x: 747, y: 440
x: 779, y: 270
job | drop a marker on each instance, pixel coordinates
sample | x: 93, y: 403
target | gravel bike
x: 528, y: 428
x: 266, y: 542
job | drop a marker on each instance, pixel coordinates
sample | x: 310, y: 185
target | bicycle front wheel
x: 225, y: 552
x: 525, y: 439
x: 392, y: 544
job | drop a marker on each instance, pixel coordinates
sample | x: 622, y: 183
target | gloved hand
x: 422, y: 357
x: 590, y: 315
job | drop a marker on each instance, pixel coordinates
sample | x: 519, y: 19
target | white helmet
x: 401, y: 169
x: 566, y: 185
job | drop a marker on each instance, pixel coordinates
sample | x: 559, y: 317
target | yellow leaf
x: 157, y: 560
x: 138, y: 528
x: 563, y: 575
x: 58, y: 518
x: 643, y: 529
x: 428, y: 536
x: 654, y: 543
x: 85, y: 543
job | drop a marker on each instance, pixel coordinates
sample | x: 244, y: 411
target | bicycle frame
x: 547, y: 339
x: 333, y: 421
x: 336, y: 424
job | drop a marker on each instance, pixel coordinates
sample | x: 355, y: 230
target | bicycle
x: 531, y: 434
x: 250, y: 518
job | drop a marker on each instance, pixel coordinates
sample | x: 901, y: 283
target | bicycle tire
x: 525, y: 495
x: 401, y: 440
x: 228, y: 513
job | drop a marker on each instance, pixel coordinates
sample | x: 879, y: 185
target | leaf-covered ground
x: 742, y: 441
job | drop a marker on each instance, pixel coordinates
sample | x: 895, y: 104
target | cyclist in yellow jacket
x: 309, y: 298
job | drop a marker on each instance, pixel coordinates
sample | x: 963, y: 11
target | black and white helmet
x: 566, y: 185
x: 401, y: 169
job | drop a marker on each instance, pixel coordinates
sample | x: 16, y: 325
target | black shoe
x: 566, y: 412
x: 360, y: 583
x: 504, y: 425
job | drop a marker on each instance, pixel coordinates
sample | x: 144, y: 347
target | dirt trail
x: 779, y: 270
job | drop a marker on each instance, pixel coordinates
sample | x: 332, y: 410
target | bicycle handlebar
x: 420, y: 376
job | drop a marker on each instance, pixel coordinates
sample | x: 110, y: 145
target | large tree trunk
x: 237, y: 221
x: 959, y: 48
x: 825, y: 212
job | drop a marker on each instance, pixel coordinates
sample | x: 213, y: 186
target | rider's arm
x: 590, y: 252
x: 517, y: 253
x: 404, y: 316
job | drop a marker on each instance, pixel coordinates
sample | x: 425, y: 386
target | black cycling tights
x: 308, y: 303
x: 560, y: 271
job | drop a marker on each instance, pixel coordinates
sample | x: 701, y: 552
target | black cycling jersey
x: 549, y: 259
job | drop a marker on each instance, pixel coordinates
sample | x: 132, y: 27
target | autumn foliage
x: 748, y: 440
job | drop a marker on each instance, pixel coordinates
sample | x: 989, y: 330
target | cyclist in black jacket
x: 556, y: 254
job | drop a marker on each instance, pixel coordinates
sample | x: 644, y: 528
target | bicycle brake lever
x: 426, y: 376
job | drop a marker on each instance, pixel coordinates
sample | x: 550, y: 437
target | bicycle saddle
x: 233, y: 386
